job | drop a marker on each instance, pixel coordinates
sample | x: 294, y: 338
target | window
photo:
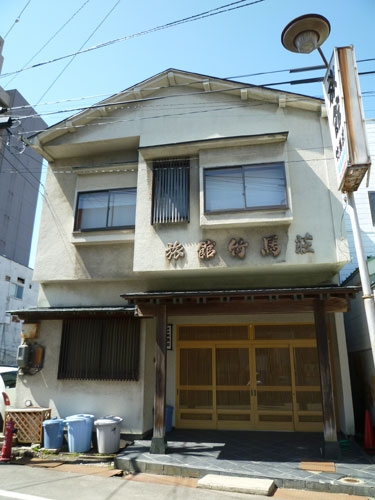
x: 170, y: 191
x: 371, y: 198
x: 110, y: 209
x: 16, y: 289
x: 99, y: 349
x: 9, y: 379
x: 245, y: 187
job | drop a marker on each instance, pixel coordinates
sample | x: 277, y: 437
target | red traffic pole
x: 7, y: 445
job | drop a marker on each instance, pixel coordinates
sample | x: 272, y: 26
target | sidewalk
x: 107, y: 471
x: 292, y: 460
x: 83, y: 467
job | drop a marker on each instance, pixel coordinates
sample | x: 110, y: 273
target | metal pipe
x: 368, y: 297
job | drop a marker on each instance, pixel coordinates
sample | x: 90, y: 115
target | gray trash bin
x: 108, y: 434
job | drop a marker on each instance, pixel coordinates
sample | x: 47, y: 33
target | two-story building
x: 188, y: 255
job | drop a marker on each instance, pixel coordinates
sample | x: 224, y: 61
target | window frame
x: 16, y: 290
x: 78, y: 217
x: 243, y: 167
x: 100, y: 348
x: 173, y: 207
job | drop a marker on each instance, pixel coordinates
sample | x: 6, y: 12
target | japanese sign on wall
x: 346, y: 119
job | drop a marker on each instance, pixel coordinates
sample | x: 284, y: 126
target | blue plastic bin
x: 53, y: 433
x: 79, y: 432
x: 168, y: 418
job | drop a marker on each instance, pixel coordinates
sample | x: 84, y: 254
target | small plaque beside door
x: 169, y: 337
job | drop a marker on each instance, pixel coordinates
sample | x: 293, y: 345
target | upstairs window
x: 170, y: 191
x: 245, y: 187
x: 16, y: 289
x: 114, y: 208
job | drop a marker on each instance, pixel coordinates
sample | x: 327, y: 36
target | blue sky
x: 241, y: 41
x: 244, y: 41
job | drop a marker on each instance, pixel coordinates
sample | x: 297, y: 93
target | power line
x: 309, y: 80
x: 119, y: 104
x: 289, y: 70
x: 213, y: 12
x: 118, y: 164
x: 293, y: 70
x: 48, y: 42
x: 57, y: 220
x: 84, y: 43
x: 16, y: 20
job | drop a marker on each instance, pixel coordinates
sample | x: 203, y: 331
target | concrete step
x: 248, y: 485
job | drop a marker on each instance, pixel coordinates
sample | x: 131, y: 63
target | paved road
x: 28, y: 483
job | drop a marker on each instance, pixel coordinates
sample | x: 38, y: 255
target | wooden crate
x: 28, y: 422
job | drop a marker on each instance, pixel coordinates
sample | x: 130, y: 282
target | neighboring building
x: 20, y: 181
x: 17, y: 291
x: 358, y: 341
x: 189, y: 255
x: 20, y: 173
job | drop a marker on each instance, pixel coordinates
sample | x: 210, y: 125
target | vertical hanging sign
x: 346, y: 119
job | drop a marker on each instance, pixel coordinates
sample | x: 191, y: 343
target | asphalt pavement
x: 62, y: 481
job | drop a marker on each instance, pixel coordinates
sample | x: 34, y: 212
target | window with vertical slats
x: 99, y: 349
x: 170, y: 193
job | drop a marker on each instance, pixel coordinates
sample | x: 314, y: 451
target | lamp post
x: 344, y: 107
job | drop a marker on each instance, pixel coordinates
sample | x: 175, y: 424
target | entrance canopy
x: 266, y: 300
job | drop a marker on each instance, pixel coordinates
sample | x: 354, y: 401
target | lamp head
x: 305, y: 33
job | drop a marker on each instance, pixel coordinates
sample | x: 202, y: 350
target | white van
x: 8, y: 380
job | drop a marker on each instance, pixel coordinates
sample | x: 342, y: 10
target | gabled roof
x: 173, y: 78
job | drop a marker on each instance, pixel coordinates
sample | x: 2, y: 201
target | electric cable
x: 293, y: 70
x: 213, y: 12
x: 128, y: 103
x: 17, y: 19
x: 48, y: 41
x: 84, y: 43
x: 131, y: 164
x: 44, y: 194
x: 102, y: 104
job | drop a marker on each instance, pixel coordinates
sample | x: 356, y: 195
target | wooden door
x: 274, y: 387
x: 234, y: 395
x: 254, y: 384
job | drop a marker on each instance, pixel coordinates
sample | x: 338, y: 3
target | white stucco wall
x: 99, y: 398
x: 114, y: 255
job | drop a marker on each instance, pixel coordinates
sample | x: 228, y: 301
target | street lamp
x: 344, y: 106
x: 306, y: 33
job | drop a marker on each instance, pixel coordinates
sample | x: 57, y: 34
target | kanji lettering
x: 237, y: 248
x: 206, y: 249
